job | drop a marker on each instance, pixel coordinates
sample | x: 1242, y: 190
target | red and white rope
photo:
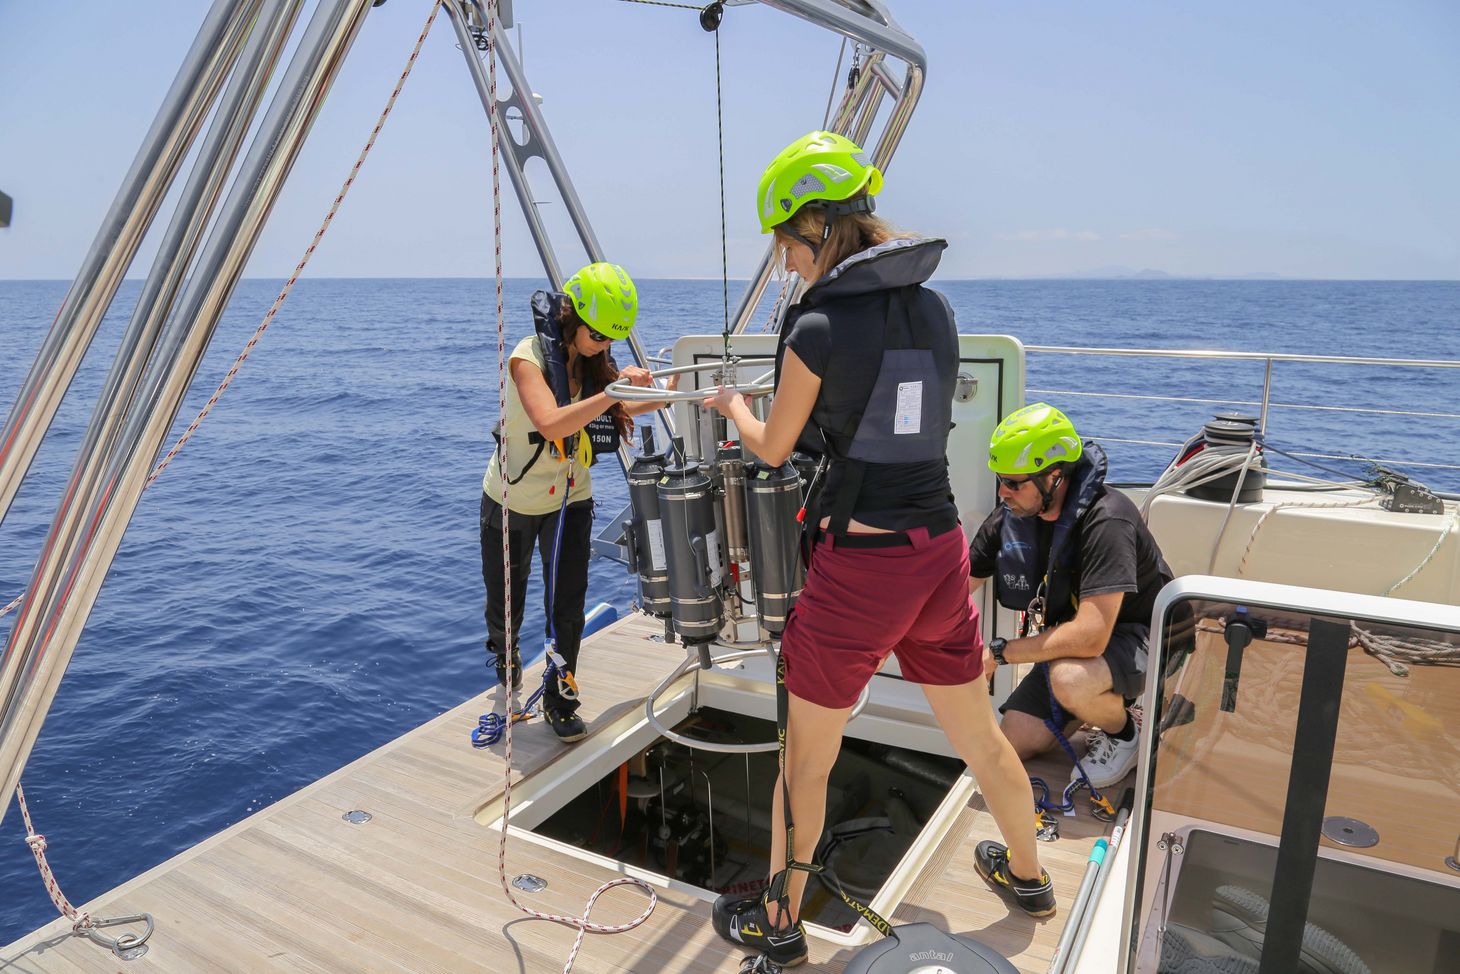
x: 293, y: 279
x: 80, y: 919
x: 308, y: 253
x: 581, y: 922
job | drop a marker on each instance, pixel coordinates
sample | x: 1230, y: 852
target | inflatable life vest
x: 909, y: 411
x: 1019, y: 571
x: 601, y: 432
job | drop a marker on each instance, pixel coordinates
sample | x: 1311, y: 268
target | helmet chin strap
x: 832, y: 210
x: 1046, y: 493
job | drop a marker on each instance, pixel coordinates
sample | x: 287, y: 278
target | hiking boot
x: 1034, y: 896
x: 501, y: 665
x: 743, y: 921
x: 1107, y: 760
x: 567, y: 725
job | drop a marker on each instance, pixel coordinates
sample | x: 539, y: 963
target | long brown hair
x: 850, y: 234
x: 593, y: 370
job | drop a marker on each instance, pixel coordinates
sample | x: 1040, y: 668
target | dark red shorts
x: 859, y: 604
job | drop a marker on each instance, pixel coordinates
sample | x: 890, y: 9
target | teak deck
x: 296, y: 888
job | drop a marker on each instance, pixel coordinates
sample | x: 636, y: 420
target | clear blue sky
x: 1317, y: 138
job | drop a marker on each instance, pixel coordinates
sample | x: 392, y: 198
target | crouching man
x: 1080, y: 561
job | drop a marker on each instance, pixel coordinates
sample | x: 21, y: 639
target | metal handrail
x: 1265, y: 404
x: 1248, y: 356
x: 1268, y: 358
x: 1246, y: 402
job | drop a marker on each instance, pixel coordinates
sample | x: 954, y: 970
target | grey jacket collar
x: 896, y: 263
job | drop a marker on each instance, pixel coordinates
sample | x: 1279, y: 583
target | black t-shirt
x: 1117, y: 554
x: 894, y: 496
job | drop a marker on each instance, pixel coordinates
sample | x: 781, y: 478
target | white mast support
x: 867, y: 22
x: 537, y: 142
x: 82, y: 542
x: 186, y: 104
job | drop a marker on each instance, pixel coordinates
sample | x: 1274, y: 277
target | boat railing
x: 1263, y: 403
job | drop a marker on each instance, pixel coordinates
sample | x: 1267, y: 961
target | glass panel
x: 1383, y: 896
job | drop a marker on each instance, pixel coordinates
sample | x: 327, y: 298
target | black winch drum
x: 921, y: 948
x: 772, y: 498
x: 1232, y: 428
x: 647, y: 529
x: 692, y: 548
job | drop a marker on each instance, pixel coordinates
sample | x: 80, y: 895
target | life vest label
x: 909, y: 415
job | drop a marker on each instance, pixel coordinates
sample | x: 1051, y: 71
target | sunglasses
x: 1010, y: 483
x: 597, y: 336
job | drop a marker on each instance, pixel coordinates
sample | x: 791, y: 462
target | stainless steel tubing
x: 1082, y: 903
x: 70, y: 575
x: 166, y: 144
x: 881, y: 32
x: 1067, y: 960
x: 692, y: 663
x: 539, y: 143
x: 200, y: 194
x: 857, y: 110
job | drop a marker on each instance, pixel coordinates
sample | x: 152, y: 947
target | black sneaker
x: 567, y: 725
x: 1034, y: 896
x: 742, y: 920
x: 501, y: 664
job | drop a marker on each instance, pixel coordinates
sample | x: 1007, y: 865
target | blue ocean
x: 303, y: 584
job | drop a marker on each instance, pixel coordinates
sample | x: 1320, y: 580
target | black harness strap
x: 779, y: 890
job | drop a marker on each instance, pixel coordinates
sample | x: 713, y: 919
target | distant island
x: 1122, y: 273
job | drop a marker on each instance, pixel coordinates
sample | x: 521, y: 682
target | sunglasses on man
x: 1010, y: 483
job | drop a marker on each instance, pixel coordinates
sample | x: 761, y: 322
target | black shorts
x: 1125, y: 655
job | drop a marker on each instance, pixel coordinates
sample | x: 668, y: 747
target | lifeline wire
x: 293, y: 279
x: 581, y: 923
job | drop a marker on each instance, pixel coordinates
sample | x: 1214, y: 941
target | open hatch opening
x: 702, y: 819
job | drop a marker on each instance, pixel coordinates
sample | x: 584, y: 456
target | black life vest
x: 601, y: 431
x: 1019, y: 570
x: 909, y: 411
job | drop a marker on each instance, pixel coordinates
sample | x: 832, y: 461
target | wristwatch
x: 996, y: 649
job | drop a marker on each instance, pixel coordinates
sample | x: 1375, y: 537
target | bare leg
x: 813, y: 740
x: 967, y: 717
x: 1084, y: 688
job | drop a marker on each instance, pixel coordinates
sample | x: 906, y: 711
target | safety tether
x: 83, y: 923
x: 581, y: 923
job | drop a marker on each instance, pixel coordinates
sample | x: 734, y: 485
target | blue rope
x: 1056, y: 723
x: 491, y: 727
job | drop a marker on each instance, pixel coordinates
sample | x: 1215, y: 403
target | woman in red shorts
x: 865, y: 371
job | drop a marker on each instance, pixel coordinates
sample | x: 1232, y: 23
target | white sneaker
x: 1107, y: 760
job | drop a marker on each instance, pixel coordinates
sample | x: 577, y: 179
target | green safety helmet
x: 605, y: 298
x: 1033, y: 439
x: 821, y: 167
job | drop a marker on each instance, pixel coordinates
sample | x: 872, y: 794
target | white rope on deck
x: 581, y: 922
